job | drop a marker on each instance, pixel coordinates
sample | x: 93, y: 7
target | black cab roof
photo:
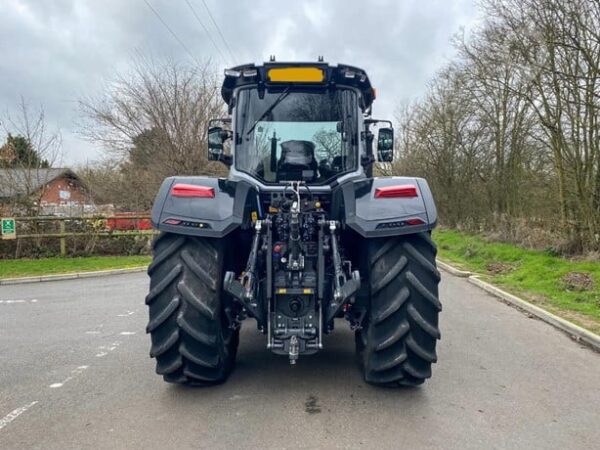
x: 300, y: 74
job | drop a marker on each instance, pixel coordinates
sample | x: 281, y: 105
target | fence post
x: 63, y: 240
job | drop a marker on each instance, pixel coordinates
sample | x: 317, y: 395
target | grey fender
x: 211, y: 217
x: 378, y: 217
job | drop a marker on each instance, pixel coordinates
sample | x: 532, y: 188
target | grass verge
x: 13, y: 268
x: 567, y: 288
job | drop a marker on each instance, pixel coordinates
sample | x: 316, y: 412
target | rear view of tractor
x: 298, y: 235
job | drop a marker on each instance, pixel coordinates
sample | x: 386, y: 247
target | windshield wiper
x: 269, y: 109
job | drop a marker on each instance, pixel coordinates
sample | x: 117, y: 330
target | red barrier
x: 128, y: 221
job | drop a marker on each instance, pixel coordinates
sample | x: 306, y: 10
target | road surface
x: 75, y: 373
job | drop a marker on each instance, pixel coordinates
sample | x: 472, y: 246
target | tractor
x: 299, y: 237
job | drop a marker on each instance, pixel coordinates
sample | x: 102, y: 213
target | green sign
x: 9, y: 230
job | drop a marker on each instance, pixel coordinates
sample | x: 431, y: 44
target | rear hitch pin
x: 294, y: 350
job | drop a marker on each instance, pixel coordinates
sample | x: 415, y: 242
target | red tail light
x: 415, y: 221
x: 192, y: 190
x: 404, y: 190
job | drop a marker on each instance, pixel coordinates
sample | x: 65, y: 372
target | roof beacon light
x: 192, y: 190
x: 399, y: 191
x: 249, y: 73
x: 232, y: 73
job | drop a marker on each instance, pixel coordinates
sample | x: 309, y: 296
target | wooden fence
x: 52, y: 227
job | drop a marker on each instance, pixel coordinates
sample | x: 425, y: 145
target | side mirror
x: 216, y: 151
x: 215, y: 143
x: 385, y: 145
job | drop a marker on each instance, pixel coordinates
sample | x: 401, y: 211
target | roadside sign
x: 9, y: 230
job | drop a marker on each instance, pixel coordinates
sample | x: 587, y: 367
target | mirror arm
x: 215, y: 122
x: 369, y: 122
x: 226, y: 159
x: 368, y: 160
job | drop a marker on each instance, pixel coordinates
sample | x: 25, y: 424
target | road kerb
x: 580, y: 334
x: 71, y: 276
x: 453, y: 270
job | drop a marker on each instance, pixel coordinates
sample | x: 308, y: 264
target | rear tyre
x: 396, y: 345
x: 191, y: 338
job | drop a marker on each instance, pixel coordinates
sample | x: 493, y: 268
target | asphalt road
x: 75, y: 374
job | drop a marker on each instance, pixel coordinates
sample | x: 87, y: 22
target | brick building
x: 53, y: 191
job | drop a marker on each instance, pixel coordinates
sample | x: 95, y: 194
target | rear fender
x: 215, y: 216
x: 378, y: 217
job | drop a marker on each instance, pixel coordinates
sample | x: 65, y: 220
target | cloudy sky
x: 53, y: 52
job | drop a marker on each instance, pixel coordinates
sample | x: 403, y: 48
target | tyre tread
x: 190, y: 340
x: 397, y: 345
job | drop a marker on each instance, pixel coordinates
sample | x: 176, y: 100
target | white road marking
x: 78, y: 370
x: 20, y: 300
x: 129, y: 313
x: 104, y: 349
x: 127, y: 333
x: 96, y: 331
x: 14, y: 414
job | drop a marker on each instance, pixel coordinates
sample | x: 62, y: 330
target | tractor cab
x: 300, y: 122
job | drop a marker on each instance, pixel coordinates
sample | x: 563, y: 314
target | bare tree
x: 329, y: 144
x: 559, y: 44
x: 154, y: 119
x: 31, y: 148
x: 508, y: 133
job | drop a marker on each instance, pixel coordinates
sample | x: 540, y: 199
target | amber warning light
x: 296, y: 75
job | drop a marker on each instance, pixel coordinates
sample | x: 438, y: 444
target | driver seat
x: 297, y: 161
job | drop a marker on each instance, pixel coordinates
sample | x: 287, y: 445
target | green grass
x: 12, y: 268
x: 536, y: 275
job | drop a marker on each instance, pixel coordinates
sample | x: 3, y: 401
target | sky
x: 55, y: 52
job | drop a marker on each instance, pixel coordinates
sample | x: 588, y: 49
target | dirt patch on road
x: 311, y: 405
